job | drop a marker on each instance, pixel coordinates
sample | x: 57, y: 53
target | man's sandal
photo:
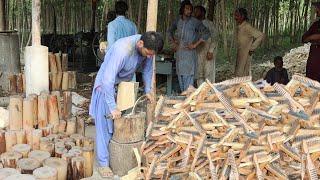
x: 105, y: 172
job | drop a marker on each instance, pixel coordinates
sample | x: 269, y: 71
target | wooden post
x: 36, y: 135
x: 2, y: 141
x: 23, y: 149
x: 19, y: 83
x: 71, y: 126
x: 34, y: 98
x: 88, y: 161
x: 77, y: 167
x: 13, y: 84
x: 10, y: 159
x: 59, y: 164
x: 68, y: 156
x: 45, y: 173
x: 15, y: 113
x: 53, y: 112
x: 28, y: 113
x: 60, y: 107
x: 152, y: 26
x: 42, y: 110
x: 64, y: 62
x: 36, y: 29
x: 39, y: 155
x: 67, y: 104
x: 28, y: 165
x: 11, y: 140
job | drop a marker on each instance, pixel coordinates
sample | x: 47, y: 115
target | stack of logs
x: 44, y: 139
x: 235, y: 130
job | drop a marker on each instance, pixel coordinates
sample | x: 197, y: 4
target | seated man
x: 278, y: 73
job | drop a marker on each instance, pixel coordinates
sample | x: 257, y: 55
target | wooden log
x: 59, y: 151
x: 10, y: 159
x: 65, y: 79
x: 129, y: 129
x: 29, y: 135
x: 64, y: 62
x: 52, y: 63
x: 20, y: 176
x: 59, y: 164
x: 119, y: 151
x: 80, y: 126
x: 28, y: 116
x: 46, y: 131
x: 88, y: 161
x: 69, y: 145
x: 58, y: 60
x: 34, y: 98
x: 72, y: 81
x: 45, y: 173
x: 5, y: 172
x: 67, y: 104
x: 11, y: 139
x: 36, y: 135
x: 47, y: 146
x: 88, y: 142
x: 24, y: 83
x: 76, y: 152
x: 78, y: 139
x: 62, y: 126
x: 53, y: 112
x: 13, y: 84
x: 77, y: 167
x: 27, y: 165
x: 19, y: 83
x: 23, y: 149
x: 42, y: 110
x: 21, y: 137
x: 2, y: 141
x: 67, y: 157
x: 15, y: 113
x: 53, y: 137
x: 59, y: 102
x: 71, y: 126
x: 38, y: 155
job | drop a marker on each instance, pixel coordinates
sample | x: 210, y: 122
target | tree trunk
x: 2, y: 15
x: 60, y: 165
x: 140, y: 14
x: 211, y: 11
x: 45, y: 173
x: 93, y: 15
x: 77, y: 168
x: 27, y: 165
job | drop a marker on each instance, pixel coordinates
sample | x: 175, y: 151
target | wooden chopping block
x: 45, y: 173
x: 24, y: 149
x: 59, y: 164
x: 77, y: 167
x: 28, y: 165
x: 88, y: 162
x: 127, y: 94
x: 10, y: 159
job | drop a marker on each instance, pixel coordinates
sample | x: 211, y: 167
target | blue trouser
x: 185, y: 81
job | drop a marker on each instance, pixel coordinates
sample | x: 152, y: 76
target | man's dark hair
x: 111, y: 15
x: 202, y: 9
x: 121, y: 8
x: 243, y: 12
x: 278, y: 59
x: 183, y: 5
x: 153, y: 41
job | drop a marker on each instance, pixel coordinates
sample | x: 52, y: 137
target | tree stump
x: 15, y: 112
x: 2, y: 141
x: 80, y: 126
x: 27, y: 165
x: 28, y: 116
x: 10, y: 159
x: 13, y: 84
x: 47, y: 146
x: 78, y: 138
x: 130, y: 129
x: 34, y: 98
x: 53, y: 112
x: 38, y: 155
x: 67, y: 104
x: 62, y: 126
x: 88, y: 142
x: 42, y: 110
x: 60, y: 111
x: 87, y: 153
x: 45, y: 173
x: 5, y: 172
x: 65, y: 79
x: 23, y: 149
x: 71, y: 126
x: 19, y: 83
x: 59, y: 164
x: 118, y: 165
x: 59, y: 151
x: 67, y: 157
x: 64, y: 62
x: 72, y: 80
x: 77, y: 167
x: 20, y: 176
x: 36, y: 135
x: 11, y: 139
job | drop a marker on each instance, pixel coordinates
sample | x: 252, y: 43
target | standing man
x: 207, y: 51
x: 248, y: 39
x: 185, y: 34
x: 120, y: 27
x: 313, y: 36
x: 124, y: 57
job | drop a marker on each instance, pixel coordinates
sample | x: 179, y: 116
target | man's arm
x: 310, y: 35
x: 257, y: 35
x: 172, y: 30
x: 111, y: 34
x: 203, y: 32
x: 147, y: 74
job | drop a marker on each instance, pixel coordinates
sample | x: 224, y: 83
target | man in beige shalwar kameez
x: 207, y: 51
x: 248, y: 39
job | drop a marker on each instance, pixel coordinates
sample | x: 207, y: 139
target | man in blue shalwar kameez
x: 124, y: 57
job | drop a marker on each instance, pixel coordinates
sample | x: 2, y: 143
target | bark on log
x: 88, y: 162
x: 65, y: 79
x: 6, y: 172
x: 77, y: 167
x: 118, y: 151
x: 36, y: 135
x: 45, y: 173
x: 53, y: 112
x: 129, y: 130
x: 13, y: 84
x: 23, y: 149
x: 2, y: 141
x: 67, y: 157
x: 62, y: 126
x: 59, y: 164
x: 71, y: 126
x: 15, y: 112
x: 40, y: 156
x: 60, y: 107
x: 11, y: 140
x: 42, y: 110
x: 10, y: 159
x: 28, y: 115
x: 80, y: 126
x: 58, y: 60
x: 67, y: 104
x: 53, y: 63
x: 64, y: 62
x: 19, y: 83
x: 34, y: 98
x: 27, y: 165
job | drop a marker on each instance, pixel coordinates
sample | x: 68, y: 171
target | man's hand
x: 150, y: 98
x: 251, y: 53
x: 191, y: 46
x: 103, y: 47
x: 116, y: 114
x: 209, y: 56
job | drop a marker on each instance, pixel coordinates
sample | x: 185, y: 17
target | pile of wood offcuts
x: 237, y: 129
